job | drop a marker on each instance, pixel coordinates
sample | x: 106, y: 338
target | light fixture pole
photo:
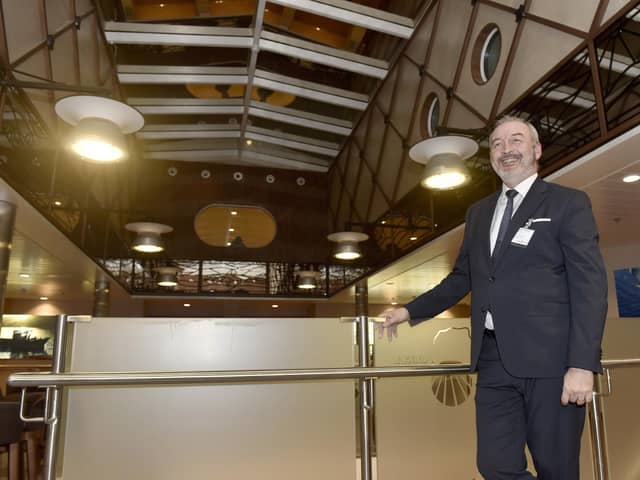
x: 7, y: 221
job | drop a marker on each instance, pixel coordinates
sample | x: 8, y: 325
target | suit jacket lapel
x: 530, y: 203
x: 484, y: 225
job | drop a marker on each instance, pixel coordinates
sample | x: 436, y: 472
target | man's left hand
x: 578, y: 386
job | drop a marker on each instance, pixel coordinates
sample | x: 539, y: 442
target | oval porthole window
x: 430, y: 115
x: 486, y: 54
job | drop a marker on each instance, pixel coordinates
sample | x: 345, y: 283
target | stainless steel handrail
x: 56, y: 381
x: 38, y: 379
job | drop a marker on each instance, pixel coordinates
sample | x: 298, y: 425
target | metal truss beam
x: 187, y: 106
x: 355, y: 14
x: 332, y: 57
x: 165, y: 74
x: 185, y: 35
x: 618, y: 63
x: 295, y: 142
x: 570, y: 96
x: 205, y: 156
x: 180, y: 131
x: 300, y: 118
x: 311, y: 90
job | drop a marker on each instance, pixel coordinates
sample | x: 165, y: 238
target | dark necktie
x: 504, y: 223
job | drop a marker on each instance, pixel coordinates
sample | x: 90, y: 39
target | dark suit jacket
x: 548, y: 300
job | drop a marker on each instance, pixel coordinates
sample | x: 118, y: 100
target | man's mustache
x: 509, y: 156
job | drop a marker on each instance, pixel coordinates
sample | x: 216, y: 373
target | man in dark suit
x: 530, y: 257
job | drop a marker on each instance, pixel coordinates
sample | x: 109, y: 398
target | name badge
x: 522, y: 237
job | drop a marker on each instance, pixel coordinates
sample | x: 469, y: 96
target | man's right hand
x: 393, y: 318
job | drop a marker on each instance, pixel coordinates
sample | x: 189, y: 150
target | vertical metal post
x: 53, y: 407
x: 7, y: 221
x: 597, y: 429
x: 365, y: 393
x: 101, y: 297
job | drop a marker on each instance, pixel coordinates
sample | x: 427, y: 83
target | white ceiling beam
x: 187, y: 106
x: 184, y: 35
x: 264, y: 159
x: 300, y: 118
x: 182, y: 131
x: 355, y: 14
x: 295, y: 142
x: 166, y: 74
x: 332, y: 57
x: 311, y: 90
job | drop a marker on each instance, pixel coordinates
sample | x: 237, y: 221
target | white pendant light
x: 444, y: 158
x: 99, y: 126
x: 148, y: 236
x: 307, y: 279
x: 347, y: 247
x: 167, y: 276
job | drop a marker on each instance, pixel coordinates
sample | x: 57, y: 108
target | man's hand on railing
x: 577, y: 387
x: 393, y: 318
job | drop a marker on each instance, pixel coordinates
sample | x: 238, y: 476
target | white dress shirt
x: 522, y: 188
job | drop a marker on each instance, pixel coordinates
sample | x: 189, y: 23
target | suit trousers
x: 513, y: 412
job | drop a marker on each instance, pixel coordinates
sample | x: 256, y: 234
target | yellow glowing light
x: 97, y: 150
x: 148, y: 248
x: 347, y: 255
x: 631, y: 178
x: 445, y: 181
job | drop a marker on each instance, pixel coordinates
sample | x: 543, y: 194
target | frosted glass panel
x: 426, y: 425
x: 283, y: 431
x: 621, y: 413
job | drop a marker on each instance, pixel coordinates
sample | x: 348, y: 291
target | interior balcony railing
x: 167, y: 399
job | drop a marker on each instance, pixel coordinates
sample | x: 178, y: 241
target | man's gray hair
x: 510, y: 118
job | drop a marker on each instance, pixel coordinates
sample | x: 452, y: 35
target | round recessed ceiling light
x: 44, y: 298
x: 634, y: 177
x: 24, y: 275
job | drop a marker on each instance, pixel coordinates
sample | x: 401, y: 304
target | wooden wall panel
x: 482, y: 97
x: 363, y: 194
x: 573, y: 13
x: 87, y: 46
x: 59, y: 14
x: 461, y: 117
x: 417, y: 47
x: 23, y: 27
x: 454, y: 21
x: 614, y: 7
x: 403, y: 107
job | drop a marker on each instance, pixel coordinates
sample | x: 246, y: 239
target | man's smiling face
x: 514, y: 153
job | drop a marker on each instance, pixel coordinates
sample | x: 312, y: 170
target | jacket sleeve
x: 587, y: 281
x: 448, y: 292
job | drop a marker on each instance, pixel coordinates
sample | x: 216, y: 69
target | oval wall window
x: 430, y: 117
x: 486, y: 54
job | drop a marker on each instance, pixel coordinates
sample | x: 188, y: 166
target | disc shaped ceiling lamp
x: 148, y: 236
x: 347, y: 247
x: 443, y: 158
x: 167, y: 276
x: 100, y: 125
x: 307, y: 279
